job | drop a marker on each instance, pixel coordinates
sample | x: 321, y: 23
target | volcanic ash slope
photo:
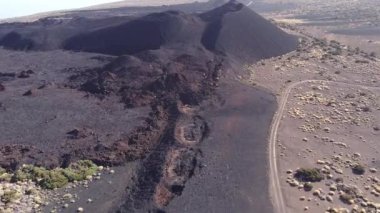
x: 166, y: 68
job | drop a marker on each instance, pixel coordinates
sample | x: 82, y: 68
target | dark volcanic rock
x: 232, y: 29
x: 146, y: 33
x: 29, y: 92
x: 237, y: 31
x: 15, y: 41
x: 25, y: 74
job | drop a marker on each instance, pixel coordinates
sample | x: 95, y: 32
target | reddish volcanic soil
x: 159, y: 90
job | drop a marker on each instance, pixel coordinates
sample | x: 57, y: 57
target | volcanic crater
x: 140, y: 97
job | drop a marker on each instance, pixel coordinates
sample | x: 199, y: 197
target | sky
x: 15, y: 8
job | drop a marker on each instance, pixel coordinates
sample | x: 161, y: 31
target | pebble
x: 67, y: 196
x: 80, y: 209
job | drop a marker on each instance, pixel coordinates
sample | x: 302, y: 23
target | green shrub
x: 2, y: 171
x: 80, y: 170
x: 358, y: 169
x: 4, y: 176
x: 56, y: 178
x: 10, y: 196
x: 309, y: 175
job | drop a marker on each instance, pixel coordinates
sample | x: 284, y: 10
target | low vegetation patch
x: 4, y: 176
x: 10, y: 195
x: 56, y: 178
x: 309, y: 175
x: 358, y: 169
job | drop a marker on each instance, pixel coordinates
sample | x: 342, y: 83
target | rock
x: 372, y: 170
x: 332, y: 210
x: 340, y: 144
x: 343, y: 210
x: 38, y: 200
x: 376, y: 187
x: 67, y: 196
x: 305, y: 140
x: 89, y: 200
x: 289, y: 171
x: 357, y: 155
x: 294, y: 183
x: 375, y: 179
x: 306, y: 208
x: 329, y: 198
x: 339, y: 171
x: 65, y: 206
x: 112, y: 171
x: 2, y: 88
x: 317, y: 192
x: 29, y: 93
x: 321, y: 162
x: 80, y: 209
x: 333, y: 187
x: 374, y: 205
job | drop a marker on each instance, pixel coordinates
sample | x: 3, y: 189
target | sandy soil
x: 334, y: 121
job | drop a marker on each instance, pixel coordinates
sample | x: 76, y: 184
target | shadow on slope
x: 232, y: 30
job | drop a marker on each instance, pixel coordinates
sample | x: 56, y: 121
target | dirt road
x: 275, y: 186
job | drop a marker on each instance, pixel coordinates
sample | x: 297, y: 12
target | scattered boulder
x: 373, y: 170
x: 308, y: 186
x: 317, y: 192
x: 25, y: 74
